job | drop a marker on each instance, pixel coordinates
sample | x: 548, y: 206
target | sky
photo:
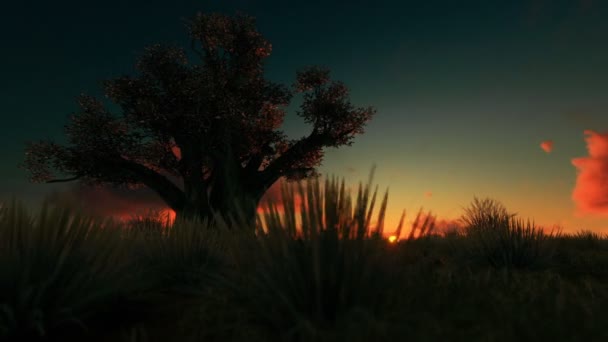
x: 491, y: 99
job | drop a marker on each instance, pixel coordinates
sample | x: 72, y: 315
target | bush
x: 587, y: 239
x: 503, y: 241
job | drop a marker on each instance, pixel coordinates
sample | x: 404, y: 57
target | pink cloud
x: 547, y: 146
x: 119, y: 204
x: 591, y: 189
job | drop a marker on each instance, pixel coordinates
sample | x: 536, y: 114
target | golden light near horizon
x: 392, y: 239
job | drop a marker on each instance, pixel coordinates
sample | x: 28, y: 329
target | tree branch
x: 64, y: 180
x: 295, y: 152
x: 297, y: 171
x: 168, y: 191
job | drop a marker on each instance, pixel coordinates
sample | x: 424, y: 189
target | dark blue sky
x: 465, y: 90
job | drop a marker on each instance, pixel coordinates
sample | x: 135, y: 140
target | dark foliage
x: 201, y: 134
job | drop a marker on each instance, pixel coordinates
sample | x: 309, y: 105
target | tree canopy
x: 212, y: 124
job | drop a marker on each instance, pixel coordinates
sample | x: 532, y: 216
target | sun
x: 392, y: 239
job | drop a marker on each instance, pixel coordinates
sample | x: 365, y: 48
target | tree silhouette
x: 210, y: 125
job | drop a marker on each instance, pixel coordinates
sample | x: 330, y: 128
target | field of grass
x: 68, y: 277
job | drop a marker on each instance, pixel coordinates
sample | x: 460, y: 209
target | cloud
x: 591, y: 189
x: 428, y: 194
x: 110, y: 202
x: 547, y: 146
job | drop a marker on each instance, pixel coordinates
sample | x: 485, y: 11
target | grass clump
x: 56, y: 271
x: 588, y: 240
x: 183, y: 257
x: 503, y: 241
x: 325, y: 279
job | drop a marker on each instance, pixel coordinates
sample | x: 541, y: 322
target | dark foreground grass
x: 67, y: 277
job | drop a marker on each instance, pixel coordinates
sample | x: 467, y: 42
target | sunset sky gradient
x: 499, y: 99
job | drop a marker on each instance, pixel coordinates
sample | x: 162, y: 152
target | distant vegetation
x: 67, y: 277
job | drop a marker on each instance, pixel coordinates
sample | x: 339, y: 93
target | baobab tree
x: 211, y: 125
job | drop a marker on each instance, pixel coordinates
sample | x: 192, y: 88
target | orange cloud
x: 591, y: 189
x: 547, y: 146
x: 428, y: 194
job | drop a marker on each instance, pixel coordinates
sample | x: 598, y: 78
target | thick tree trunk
x: 230, y: 197
x: 231, y: 190
x: 240, y: 208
